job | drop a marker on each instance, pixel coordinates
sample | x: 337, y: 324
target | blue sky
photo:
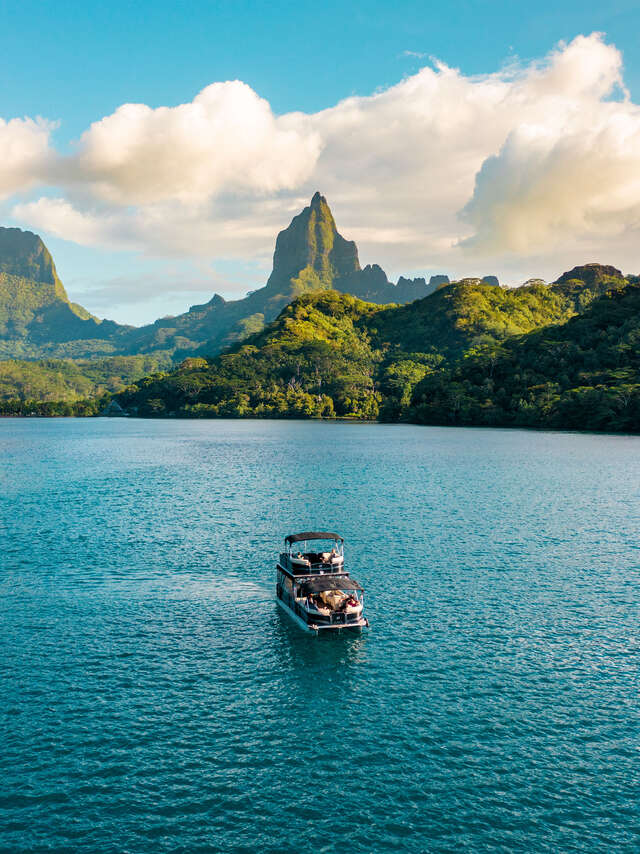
x: 79, y: 61
x: 75, y: 64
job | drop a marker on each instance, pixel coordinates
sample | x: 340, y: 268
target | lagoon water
x: 154, y: 699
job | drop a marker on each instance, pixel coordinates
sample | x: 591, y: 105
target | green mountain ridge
x: 37, y: 320
x: 332, y: 355
x: 323, y: 338
x: 471, y: 312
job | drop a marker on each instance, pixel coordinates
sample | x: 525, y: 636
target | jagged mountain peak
x: 311, y: 253
x: 23, y: 254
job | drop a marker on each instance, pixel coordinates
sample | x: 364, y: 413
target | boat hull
x: 315, y: 628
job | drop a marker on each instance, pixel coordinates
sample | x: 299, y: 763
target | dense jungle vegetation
x: 471, y: 353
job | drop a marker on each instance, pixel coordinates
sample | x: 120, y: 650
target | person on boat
x: 310, y: 603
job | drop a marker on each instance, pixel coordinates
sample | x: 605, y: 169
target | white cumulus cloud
x: 546, y: 187
x: 227, y: 140
x: 59, y: 217
x: 24, y: 153
x: 523, y: 171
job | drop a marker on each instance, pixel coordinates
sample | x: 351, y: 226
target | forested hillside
x: 583, y: 375
x: 67, y: 380
x: 471, y: 353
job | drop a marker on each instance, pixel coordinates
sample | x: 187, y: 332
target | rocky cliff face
x: 310, y: 253
x: 439, y: 280
x: 23, y: 254
x: 36, y: 317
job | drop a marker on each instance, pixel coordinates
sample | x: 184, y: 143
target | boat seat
x: 333, y: 598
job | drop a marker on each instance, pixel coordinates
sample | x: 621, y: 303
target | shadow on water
x: 330, y: 652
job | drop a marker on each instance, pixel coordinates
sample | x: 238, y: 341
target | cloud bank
x: 534, y: 164
x: 25, y: 154
x: 226, y: 140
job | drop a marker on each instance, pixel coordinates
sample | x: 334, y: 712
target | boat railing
x: 307, y: 565
x: 327, y: 566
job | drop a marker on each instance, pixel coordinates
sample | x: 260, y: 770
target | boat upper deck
x: 298, y: 560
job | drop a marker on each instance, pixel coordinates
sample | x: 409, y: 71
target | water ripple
x: 155, y: 700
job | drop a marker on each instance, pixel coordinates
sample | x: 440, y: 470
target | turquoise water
x: 154, y: 699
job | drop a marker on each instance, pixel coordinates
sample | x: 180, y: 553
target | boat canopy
x: 328, y: 582
x: 313, y: 535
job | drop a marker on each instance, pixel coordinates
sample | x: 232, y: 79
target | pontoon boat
x: 313, y: 587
